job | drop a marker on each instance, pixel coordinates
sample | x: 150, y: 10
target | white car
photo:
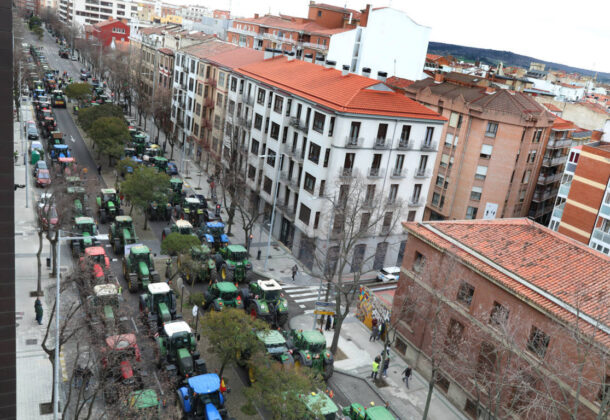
x: 388, y: 274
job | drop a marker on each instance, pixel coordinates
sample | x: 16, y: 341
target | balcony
x: 564, y: 189
x: 351, y: 142
x: 406, y: 144
x: 243, y: 32
x: 284, y: 176
x: 368, y: 204
x: 398, y: 173
x: 211, y: 82
x: 540, y: 196
x: 428, y: 145
x: 605, y: 211
x: 249, y: 100
x: 392, y: 202
x: 549, y: 179
x: 375, y: 173
x: 601, y: 236
x: 312, y: 46
x: 558, y: 211
x: 287, y: 209
x: 295, y: 153
x: 208, y: 103
x: 423, y: 173
x: 554, y: 161
x: 381, y: 143
x: 244, y: 122
x: 346, y: 172
x: 559, y: 144
x: 540, y: 211
x: 294, y: 182
x: 416, y: 202
x: 298, y: 124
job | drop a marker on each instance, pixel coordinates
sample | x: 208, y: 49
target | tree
x: 230, y: 334
x: 143, y: 186
x: 176, y: 243
x: 111, y: 135
x: 161, y: 111
x: 38, y: 32
x: 87, y: 116
x: 79, y: 92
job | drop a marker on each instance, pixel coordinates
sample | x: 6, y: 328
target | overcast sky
x: 569, y: 32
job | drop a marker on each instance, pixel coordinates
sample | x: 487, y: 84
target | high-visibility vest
x: 375, y: 367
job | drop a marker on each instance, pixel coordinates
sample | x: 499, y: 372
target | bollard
x: 258, y: 254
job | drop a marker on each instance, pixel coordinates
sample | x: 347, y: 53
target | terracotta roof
x: 224, y: 53
x: 594, y: 107
x: 552, y: 107
x: 398, y: 82
x: 355, y: 13
x: 109, y: 22
x: 563, y: 125
x: 566, y: 269
x: 566, y: 85
x: 292, y: 24
x: 328, y: 87
x: 433, y: 57
x: 166, y: 51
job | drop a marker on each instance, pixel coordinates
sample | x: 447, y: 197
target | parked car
x: 84, y: 74
x: 36, y: 145
x: 48, y: 215
x: 40, y: 165
x: 388, y: 274
x: 171, y: 169
x: 43, y: 178
x: 32, y: 130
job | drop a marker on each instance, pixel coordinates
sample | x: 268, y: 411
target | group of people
x: 377, y: 330
x: 406, y: 373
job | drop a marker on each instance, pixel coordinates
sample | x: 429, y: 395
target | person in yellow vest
x: 375, y: 368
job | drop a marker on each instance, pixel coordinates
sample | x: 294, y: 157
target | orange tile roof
x: 552, y: 107
x: 563, y: 125
x: 328, y: 87
x: 356, y: 14
x: 566, y: 269
x: 399, y: 82
x: 224, y: 53
x: 292, y: 24
x: 433, y: 57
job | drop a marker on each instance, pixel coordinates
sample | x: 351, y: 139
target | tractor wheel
x: 250, y: 375
x: 298, y: 363
x: 102, y: 216
x: 132, y: 282
x: 328, y: 371
x: 282, y: 319
x: 213, y: 276
x: 75, y: 250
x: 116, y: 246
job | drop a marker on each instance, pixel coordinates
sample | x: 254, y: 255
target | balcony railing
x: 284, y: 176
x: 243, y: 31
x: 287, y: 209
x: 381, y: 143
x: 556, y: 161
x: 294, y: 182
x: 353, y: 141
x: 210, y: 82
x: 540, y: 211
x: 406, y: 144
x: 346, y: 172
x: 544, y: 195
x: 564, y: 189
x: 559, y: 144
x: 422, y: 173
x: 601, y: 236
x: 244, y: 122
x: 549, y: 179
x: 605, y: 211
x: 298, y: 124
x: 428, y: 145
x: 249, y: 100
x: 398, y: 173
x: 392, y: 202
x: 416, y: 202
x: 314, y: 46
x: 208, y: 103
x: 375, y: 173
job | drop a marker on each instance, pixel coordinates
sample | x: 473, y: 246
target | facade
x: 582, y: 209
x: 108, y: 32
x: 218, y: 26
x: 149, y: 11
x: 195, y: 13
x: 82, y: 12
x: 330, y: 130
x: 490, y: 153
x: 495, y: 310
x: 29, y: 7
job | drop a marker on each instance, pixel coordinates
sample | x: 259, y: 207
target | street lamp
x: 275, y: 191
x: 330, y: 224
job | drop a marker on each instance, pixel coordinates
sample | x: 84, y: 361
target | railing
x: 422, y: 173
x: 375, y: 173
x: 556, y: 161
x: 295, y: 182
x: 428, y: 145
x: 287, y: 210
x: 558, y: 212
x: 398, y: 173
x: 244, y: 122
x: 392, y: 202
x: 416, y: 202
x: 406, y: 144
x: 298, y: 124
x: 353, y: 141
x: 295, y: 153
x: 346, y: 172
x: 369, y: 204
x: 601, y: 236
x: 605, y: 210
x: 210, y: 82
x: 314, y: 46
x: 559, y: 144
x: 284, y: 176
x: 208, y: 103
x: 381, y: 143
x: 243, y: 31
x: 545, y: 195
x: 549, y: 179
x: 249, y: 100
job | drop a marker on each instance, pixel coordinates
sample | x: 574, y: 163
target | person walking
x: 99, y: 169
x: 374, y: 333
x: 375, y: 368
x: 77, y: 375
x: 87, y: 374
x: 406, y: 375
x: 329, y: 320
x: 39, y: 311
x: 386, y: 365
x: 295, y: 269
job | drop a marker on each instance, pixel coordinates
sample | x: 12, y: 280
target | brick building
x: 582, y: 210
x: 108, y: 31
x: 491, y: 150
x: 510, y: 317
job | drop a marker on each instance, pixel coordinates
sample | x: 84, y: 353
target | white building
x: 322, y: 128
x: 88, y: 12
x: 391, y: 42
x: 194, y: 13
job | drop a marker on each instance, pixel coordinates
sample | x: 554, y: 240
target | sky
x: 562, y: 31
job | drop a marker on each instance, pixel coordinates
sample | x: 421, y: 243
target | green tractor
x: 145, y: 402
x: 206, y: 267
x: 158, y: 305
x: 320, y: 405
x: 276, y: 348
x: 160, y: 163
x: 121, y: 233
x: 309, y: 350
x: 180, y: 226
x: 176, y: 192
x: 139, y: 267
x: 102, y: 307
x: 221, y: 295
x: 357, y: 412
x: 192, y: 210
x: 233, y: 264
x: 159, y: 209
x: 264, y: 299
x: 177, y: 350
x: 86, y: 228
x: 108, y: 204
x: 139, y: 143
x: 74, y: 188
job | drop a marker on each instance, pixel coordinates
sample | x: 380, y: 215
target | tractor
x: 108, y: 204
x: 275, y: 346
x: 180, y: 226
x: 176, y: 190
x: 59, y: 151
x: 119, y: 359
x: 96, y: 263
x: 177, y: 350
x: 221, y: 295
x: 159, y: 209
x: 233, y: 264
x: 58, y: 100
x: 201, y: 398
x: 139, y: 143
x: 139, y: 267
x: 145, y: 402
x: 121, y: 233
x: 356, y: 411
x: 264, y: 299
x: 158, y: 305
x: 87, y: 230
x: 206, y: 265
x: 160, y: 163
x: 309, y: 350
x: 75, y: 189
x: 214, y: 234
x: 192, y: 210
x: 102, y: 306
x: 320, y: 405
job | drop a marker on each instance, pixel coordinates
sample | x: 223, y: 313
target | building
x: 150, y: 11
x: 510, y: 317
x: 330, y: 129
x: 83, y: 12
x: 582, y: 209
x: 28, y: 7
x: 194, y: 13
x: 221, y: 14
x: 109, y: 32
x: 218, y: 26
x: 490, y: 153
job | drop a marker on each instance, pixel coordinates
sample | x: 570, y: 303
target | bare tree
x: 161, y: 112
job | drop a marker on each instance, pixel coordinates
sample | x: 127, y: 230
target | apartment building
x: 82, y: 12
x: 514, y: 315
x: 149, y: 11
x: 308, y: 131
x: 108, y: 33
x: 490, y: 154
x: 582, y: 209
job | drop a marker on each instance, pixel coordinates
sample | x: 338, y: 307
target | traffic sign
x: 317, y: 312
x: 325, y: 304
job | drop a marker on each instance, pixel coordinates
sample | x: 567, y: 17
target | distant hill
x: 494, y: 57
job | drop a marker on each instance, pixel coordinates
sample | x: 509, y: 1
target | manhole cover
x: 31, y: 341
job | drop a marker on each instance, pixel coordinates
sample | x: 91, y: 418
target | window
x: 574, y: 157
x: 279, y: 103
x: 423, y: 162
x: 537, y: 136
x: 288, y: 106
x: 365, y: 221
x: 370, y: 194
x: 322, y: 187
x: 326, y: 157
x: 405, y: 134
x: 221, y: 79
x: 197, y: 108
x: 271, y: 158
x: 522, y: 196
x: 416, y: 193
x: 393, y: 193
x: 382, y: 132
x: 258, y: 121
x: 526, y: 177
x: 354, y: 130
x: 314, y: 153
x: 455, y: 120
x: 492, y: 129
x: 254, y: 148
x: 411, y: 216
x: 486, y: 150
x: 196, y: 130
x: 444, y: 160
x: 358, y: 258
x: 604, y: 390
x: 538, y: 342
x: 304, y: 214
x: 436, y: 197
x: 498, y: 315
x: 316, y: 220
x: 453, y: 339
x: 251, y: 172
x: 310, y: 183
x: 475, y: 193
x: 487, y: 360
x: 465, y: 294
x: 267, y: 185
x: 318, y: 122
x: 531, y: 157
x: 429, y: 134
x: 471, y: 212
x: 219, y: 99
x: 261, y: 96
x: 275, y: 131
x: 331, y: 126
x: 217, y: 122
x: 481, y: 172
x: 231, y: 108
x: 419, y: 263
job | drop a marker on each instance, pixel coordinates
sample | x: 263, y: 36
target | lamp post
x: 275, y: 191
x: 330, y: 225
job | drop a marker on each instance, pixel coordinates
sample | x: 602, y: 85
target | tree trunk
x: 39, y: 279
x: 430, y: 391
x: 54, y: 256
x: 145, y: 220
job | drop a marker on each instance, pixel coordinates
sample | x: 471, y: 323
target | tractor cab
x: 58, y: 99
x: 275, y: 344
x: 152, y: 151
x: 357, y: 412
x: 108, y: 204
x: 105, y: 300
x: 201, y: 397
x: 235, y: 264
x: 97, y: 256
x: 67, y: 166
x: 160, y: 301
x: 139, y: 142
x: 119, y: 356
x: 60, y: 151
x: 87, y: 228
x: 176, y: 189
x: 265, y: 300
x: 183, y: 227
x: 193, y: 210
x: 214, y: 234
x: 129, y: 152
x: 56, y: 137
x: 138, y: 267
x: 160, y: 163
x: 322, y: 405
x: 222, y: 294
x: 269, y: 290
x: 75, y: 189
x: 309, y: 350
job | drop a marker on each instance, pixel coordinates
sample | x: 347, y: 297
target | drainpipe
x: 461, y: 161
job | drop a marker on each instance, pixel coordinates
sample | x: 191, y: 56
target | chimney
x: 438, y: 77
x: 345, y: 70
x: 268, y: 54
x: 366, y: 71
x: 382, y: 76
x: 320, y: 60
x: 290, y: 55
x: 256, y: 16
x: 308, y: 58
x: 329, y: 64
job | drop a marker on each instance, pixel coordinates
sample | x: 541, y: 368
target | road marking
x: 115, y: 259
x: 72, y: 139
x: 302, y: 306
x: 134, y: 325
x: 308, y: 300
x: 62, y: 364
x: 158, y: 383
x: 311, y: 293
x: 309, y: 311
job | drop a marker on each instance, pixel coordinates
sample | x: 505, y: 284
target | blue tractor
x: 201, y: 398
x: 214, y: 234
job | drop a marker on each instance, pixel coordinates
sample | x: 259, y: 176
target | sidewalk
x: 353, y: 375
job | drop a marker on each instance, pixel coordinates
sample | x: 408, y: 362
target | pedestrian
x: 374, y: 333
x: 78, y: 376
x: 294, y: 271
x: 406, y: 375
x: 38, y: 310
x: 386, y: 365
x: 87, y: 374
x: 375, y: 369
x: 329, y: 321
x: 99, y: 169
x: 382, y: 329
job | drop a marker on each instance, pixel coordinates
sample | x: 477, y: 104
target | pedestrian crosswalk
x: 306, y: 296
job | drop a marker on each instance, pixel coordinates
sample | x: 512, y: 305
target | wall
x: 585, y: 117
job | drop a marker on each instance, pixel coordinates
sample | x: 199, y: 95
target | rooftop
x: 328, y: 87
x: 291, y: 23
x: 549, y: 270
x: 174, y: 327
x: 552, y: 107
x: 399, y: 82
x: 158, y: 288
x: 224, y: 53
x: 563, y: 125
x: 270, y: 284
x: 205, y: 384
